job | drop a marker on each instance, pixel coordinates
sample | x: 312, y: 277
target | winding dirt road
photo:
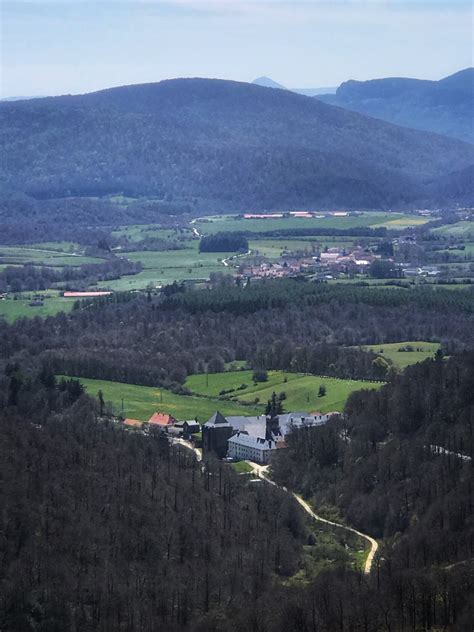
x: 261, y: 472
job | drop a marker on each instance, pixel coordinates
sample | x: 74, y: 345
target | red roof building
x: 162, y: 419
x: 133, y: 423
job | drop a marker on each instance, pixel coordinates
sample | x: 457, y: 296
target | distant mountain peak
x: 267, y: 82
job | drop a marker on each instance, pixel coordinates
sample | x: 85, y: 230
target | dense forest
x: 289, y: 325
x: 105, y: 530
x: 210, y: 144
x: 224, y: 242
x: 399, y: 467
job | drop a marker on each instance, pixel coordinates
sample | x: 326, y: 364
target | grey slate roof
x: 216, y: 420
x: 242, y: 438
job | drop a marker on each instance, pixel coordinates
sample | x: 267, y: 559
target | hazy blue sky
x: 74, y: 46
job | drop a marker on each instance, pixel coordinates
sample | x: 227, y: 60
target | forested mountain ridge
x: 219, y: 143
x: 443, y: 106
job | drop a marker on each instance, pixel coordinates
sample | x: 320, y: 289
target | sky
x: 72, y: 46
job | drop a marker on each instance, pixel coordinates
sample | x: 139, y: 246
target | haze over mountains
x: 224, y: 145
x: 267, y: 82
x: 445, y: 106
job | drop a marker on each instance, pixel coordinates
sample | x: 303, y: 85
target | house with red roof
x: 162, y: 420
x: 132, y: 423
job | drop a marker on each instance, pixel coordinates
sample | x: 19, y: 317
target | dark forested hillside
x: 443, y: 106
x: 104, y: 530
x: 219, y: 144
x: 400, y: 468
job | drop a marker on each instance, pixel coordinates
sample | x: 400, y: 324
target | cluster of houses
x: 332, y: 261
x: 166, y: 423
x: 237, y: 438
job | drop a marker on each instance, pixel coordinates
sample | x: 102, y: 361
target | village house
x: 161, y: 421
x: 187, y: 428
x: 133, y: 423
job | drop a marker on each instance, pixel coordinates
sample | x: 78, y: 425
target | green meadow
x: 213, y: 224
x: 462, y: 229
x: 43, y: 255
x: 140, y: 402
x: 12, y: 309
x: 137, y: 232
x: 301, y: 390
x: 401, y: 359
x: 167, y: 266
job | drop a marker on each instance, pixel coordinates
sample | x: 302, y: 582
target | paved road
x: 261, y: 472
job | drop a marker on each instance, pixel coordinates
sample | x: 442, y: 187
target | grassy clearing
x: 242, y: 467
x: 401, y: 359
x: 11, y: 309
x: 140, y: 402
x: 301, y: 390
x: 137, y: 232
x: 43, y: 256
x: 58, y: 246
x: 463, y: 229
x: 331, y: 545
x: 217, y: 223
x: 403, y: 222
x: 167, y: 266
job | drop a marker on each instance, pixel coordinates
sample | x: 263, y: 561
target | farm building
x: 162, y: 420
x: 132, y: 423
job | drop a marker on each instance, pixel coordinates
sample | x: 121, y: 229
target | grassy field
x: 137, y: 232
x: 301, y: 390
x: 217, y: 223
x: 404, y: 222
x: 11, y: 309
x: 273, y: 248
x: 43, y: 256
x: 140, y: 402
x: 167, y: 266
x: 463, y: 229
x: 402, y: 359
